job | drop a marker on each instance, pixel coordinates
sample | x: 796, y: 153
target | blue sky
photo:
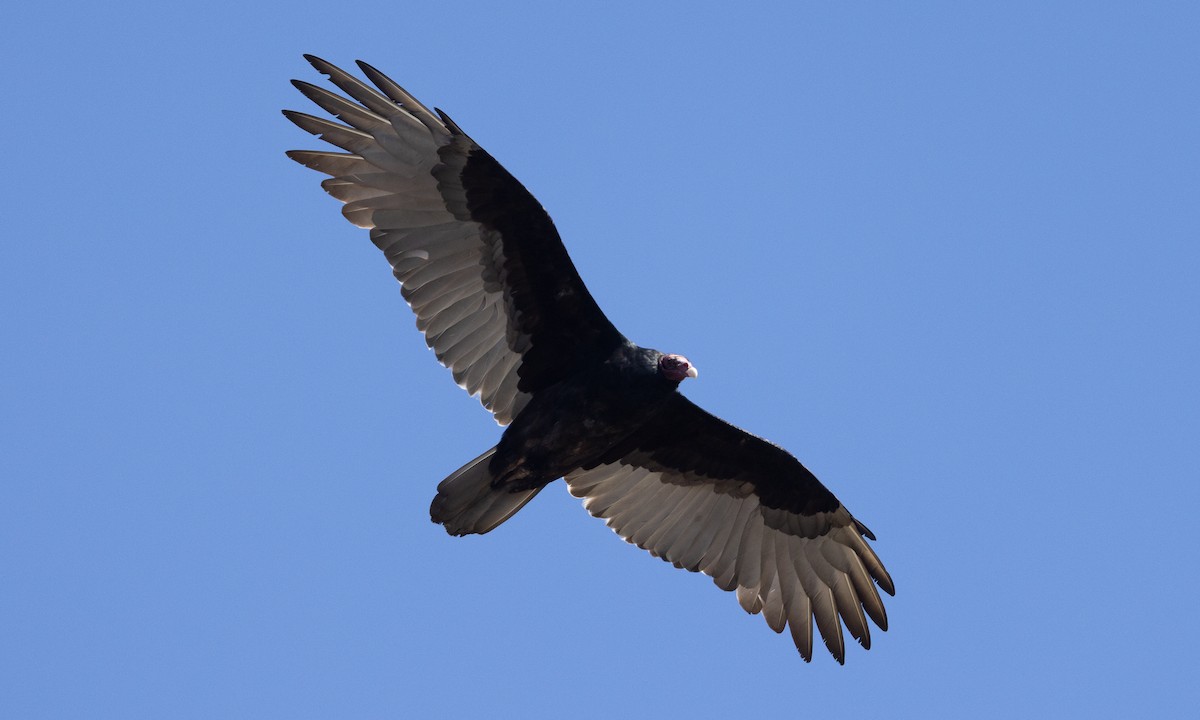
x: 945, y: 254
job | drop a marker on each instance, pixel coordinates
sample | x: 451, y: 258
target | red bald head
x: 676, y: 368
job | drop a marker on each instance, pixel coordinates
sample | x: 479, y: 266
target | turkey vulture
x: 502, y: 306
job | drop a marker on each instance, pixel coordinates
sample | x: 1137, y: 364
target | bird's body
x: 574, y: 422
x: 500, y: 303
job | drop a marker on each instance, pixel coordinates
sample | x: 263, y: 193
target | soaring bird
x: 502, y: 306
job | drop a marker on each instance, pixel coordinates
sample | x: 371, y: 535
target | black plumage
x: 500, y: 303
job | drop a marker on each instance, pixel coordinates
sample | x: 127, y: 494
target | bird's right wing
x: 478, y: 259
x: 709, y: 497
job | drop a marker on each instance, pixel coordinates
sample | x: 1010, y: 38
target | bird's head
x: 676, y: 368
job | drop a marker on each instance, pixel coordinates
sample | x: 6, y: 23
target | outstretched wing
x: 478, y: 259
x: 709, y: 497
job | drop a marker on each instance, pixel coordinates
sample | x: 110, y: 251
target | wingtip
x: 366, y: 66
x: 322, y: 66
x: 453, y: 126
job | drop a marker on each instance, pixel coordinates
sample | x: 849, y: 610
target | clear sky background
x: 946, y: 255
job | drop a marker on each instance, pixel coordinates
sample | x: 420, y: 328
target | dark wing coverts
x: 479, y: 260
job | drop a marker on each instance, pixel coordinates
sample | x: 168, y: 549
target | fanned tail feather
x: 467, y: 503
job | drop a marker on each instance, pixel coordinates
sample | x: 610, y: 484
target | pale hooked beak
x: 676, y: 368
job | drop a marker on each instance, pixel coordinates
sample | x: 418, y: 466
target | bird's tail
x: 467, y: 503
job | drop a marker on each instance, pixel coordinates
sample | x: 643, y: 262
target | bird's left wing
x: 709, y: 497
x: 478, y: 259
